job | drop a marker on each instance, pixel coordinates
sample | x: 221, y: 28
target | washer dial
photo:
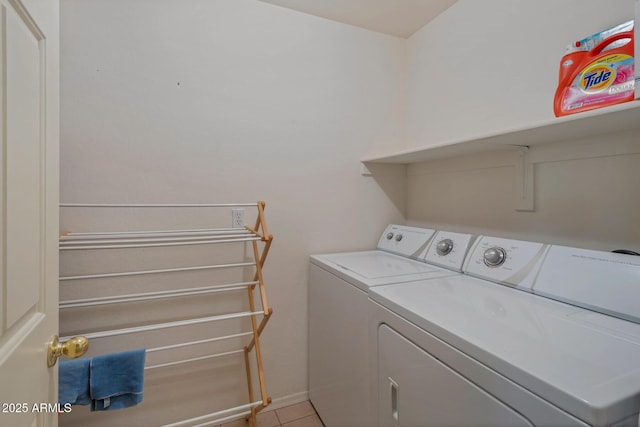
x: 389, y: 236
x: 494, y: 257
x: 398, y: 237
x: 444, y: 247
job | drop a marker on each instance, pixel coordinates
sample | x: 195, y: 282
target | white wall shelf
x: 617, y: 118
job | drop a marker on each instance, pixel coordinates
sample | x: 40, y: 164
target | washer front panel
x: 590, y: 371
x: 538, y: 411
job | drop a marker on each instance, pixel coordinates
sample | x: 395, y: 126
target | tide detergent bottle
x: 596, y: 71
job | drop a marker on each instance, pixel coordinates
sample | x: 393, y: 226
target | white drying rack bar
x: 157, y: 326
x: 192, y: 343
x: 165, y: 270
x: 156, y: 205
x: 158, y: 238
x: 208, y: 340
x: 190, y: 421
x: 150, y: 233
x: 119, y: 299
x: 194, y: 359
x: 151, y: 239
x: 150, y: 245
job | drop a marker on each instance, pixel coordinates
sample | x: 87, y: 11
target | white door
x: 29, y: 93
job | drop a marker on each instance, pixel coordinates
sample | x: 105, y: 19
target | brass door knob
x: 75, y: 347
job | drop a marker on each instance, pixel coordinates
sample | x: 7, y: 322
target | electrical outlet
x: 237, y: 218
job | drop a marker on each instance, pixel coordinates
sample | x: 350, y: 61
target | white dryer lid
x: 584, y: 362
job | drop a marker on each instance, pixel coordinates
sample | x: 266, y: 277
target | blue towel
x: 73, y: 382
x: 116, y: 380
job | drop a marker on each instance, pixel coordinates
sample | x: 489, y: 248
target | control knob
x: 493, y: 257
x: 444, y: 247
x: 398, y: 237
x: 389, y: 236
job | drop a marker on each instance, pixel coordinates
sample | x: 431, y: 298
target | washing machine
x: 339, y: 386
x: 530, y: 335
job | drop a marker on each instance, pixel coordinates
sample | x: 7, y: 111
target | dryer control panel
x: 448, y: 249
x: 506, y: 261
x: 406, y: 241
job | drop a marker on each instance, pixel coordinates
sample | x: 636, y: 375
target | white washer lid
x: 584, y: 362
x: 375, y: 268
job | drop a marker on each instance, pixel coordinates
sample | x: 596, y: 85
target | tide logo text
x: 596, y: 79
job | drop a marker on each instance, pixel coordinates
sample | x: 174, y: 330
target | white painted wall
x: 227, y: 101
x: 484, y: 67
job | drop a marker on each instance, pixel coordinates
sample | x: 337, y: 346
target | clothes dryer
x: 339, y: 283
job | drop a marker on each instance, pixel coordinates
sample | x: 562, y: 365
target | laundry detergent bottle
x: 597, y: 77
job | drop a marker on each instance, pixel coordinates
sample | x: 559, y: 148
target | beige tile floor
x: 298, y: 415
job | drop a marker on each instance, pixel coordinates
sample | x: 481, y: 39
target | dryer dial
x: 389, y: 236
x: 444, y: 247
x: 398, y: 237
x: 494, y: 257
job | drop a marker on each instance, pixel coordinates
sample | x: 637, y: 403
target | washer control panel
x: 448, y: 249
x: 511, y: 262
x: 404, y: 240
x: 600, y: 281
x: 494, y: 257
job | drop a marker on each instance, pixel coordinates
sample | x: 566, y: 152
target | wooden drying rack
x: 268, y: 311
x: 122, y: 240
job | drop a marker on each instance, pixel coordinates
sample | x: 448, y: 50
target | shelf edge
x: 602, y: 121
